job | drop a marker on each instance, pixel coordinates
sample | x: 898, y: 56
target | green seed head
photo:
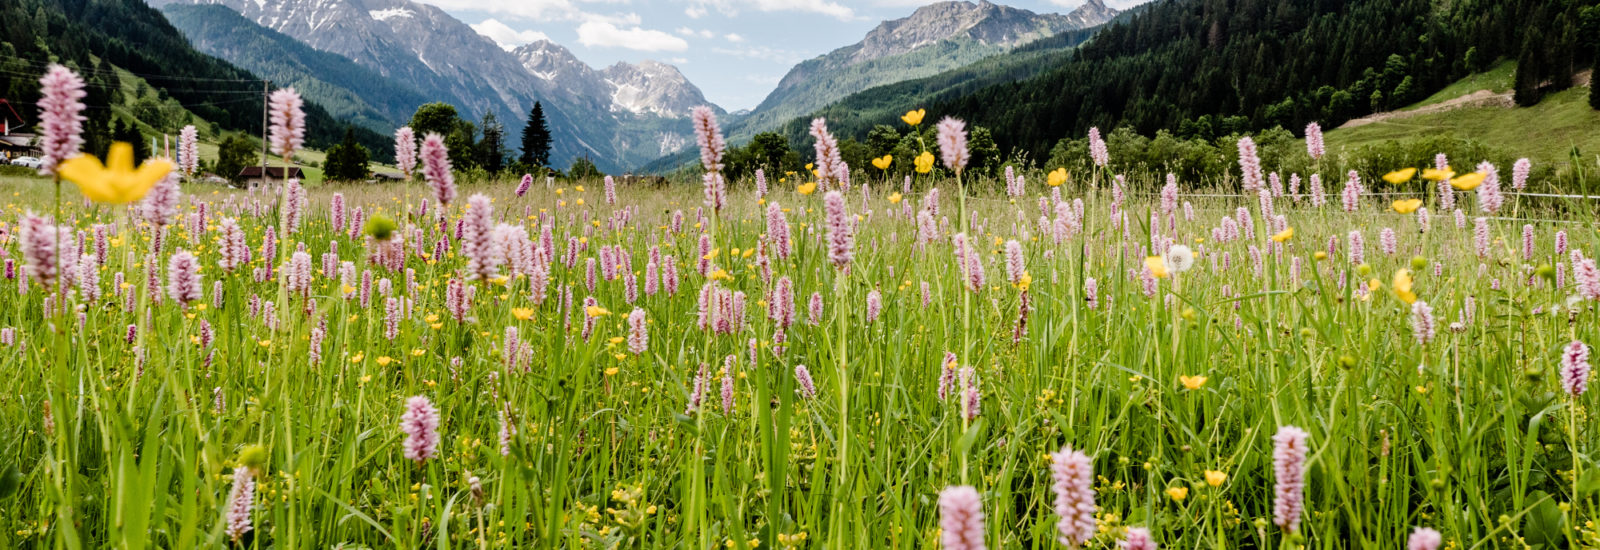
x: 380, y: 227
x: 1419, y: 263
x: 253, y: 457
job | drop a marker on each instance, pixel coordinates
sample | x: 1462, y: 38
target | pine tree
x: 492, y: 148
x: 347, y: 161
x: 536, y: 139
x: 1594, y: 81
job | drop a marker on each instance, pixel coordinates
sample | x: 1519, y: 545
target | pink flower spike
x: 288, y: 132
x: 60, y: 116
x: 961, y: 518
x: 420, y: 423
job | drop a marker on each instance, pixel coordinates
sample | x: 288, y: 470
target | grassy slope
x: 1546, y: 132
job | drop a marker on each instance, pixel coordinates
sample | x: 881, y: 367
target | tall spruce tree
x: 492, y: 148
x: 536, y: 139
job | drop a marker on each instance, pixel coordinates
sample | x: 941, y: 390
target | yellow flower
x: 1407, y: 206
x: 1215, y: 478
x: 522, y: 313
x: 596, y: 311
x: 894, y: 198
x: 1025, y: 281
x: 1320, y: 255
x: 1434, y: 174
x: 117, y: 181
x: 807, y: 188
x: 1284, y: 236
x: 1468, y: 181
x: 384, y: 360
x: 1057, y: 177
x: 883, y: 162
x: 914, y: 117
x: 924, y: 162
x: 1178, y: 493
x: 721, y: 275
x: 1402, y: 286
x: 1157, y: 266
x: 1398, y: 177
x: 1192, y: 382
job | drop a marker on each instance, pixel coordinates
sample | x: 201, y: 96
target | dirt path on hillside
x: 1480, y: 98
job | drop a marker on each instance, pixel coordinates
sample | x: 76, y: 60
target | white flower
x: 1179, y: 258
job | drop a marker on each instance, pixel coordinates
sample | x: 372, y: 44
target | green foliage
x: 434, y: 118
x: 127, y: 132
x: 346, y: 161
x: 234, y: 153
x: 584, y: 169
x: 768, y: 151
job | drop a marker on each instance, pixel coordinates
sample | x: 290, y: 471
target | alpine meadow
x: 1257, y: 274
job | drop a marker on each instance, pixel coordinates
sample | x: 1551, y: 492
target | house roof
x: 275, y: 172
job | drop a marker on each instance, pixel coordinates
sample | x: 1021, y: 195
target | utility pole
x: 265, y: 85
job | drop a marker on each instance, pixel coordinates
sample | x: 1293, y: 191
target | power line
x: 116, y: 72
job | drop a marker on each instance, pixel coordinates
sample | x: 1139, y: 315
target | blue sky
x: 734, y: 50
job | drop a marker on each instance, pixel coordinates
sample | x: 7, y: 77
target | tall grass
x: 1470, y: 434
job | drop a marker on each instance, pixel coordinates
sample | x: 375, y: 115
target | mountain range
x: 935, y: 38
x: 373, y: 61
x: 618, y: 117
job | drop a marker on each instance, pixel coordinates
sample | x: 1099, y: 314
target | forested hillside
x: 93, y: 36
x: 1188, y: 65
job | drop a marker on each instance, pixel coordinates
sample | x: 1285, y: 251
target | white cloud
x: 734, y: 37
x: 688, y: 32
x: 731, y: 8
x: 507, y: 37
x: 597, y: 33
x: 764, y: 53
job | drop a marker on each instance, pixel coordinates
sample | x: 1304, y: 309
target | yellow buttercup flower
x: 1215, y: 478
x: 807, y: 188
x: 522, y: 313
x: 117, y: 181
x: 1468, y: 181
x: 1284, y: 236
x: 1192, y: 382
x: 1157, y: 266
x: 883, y: 162
x: 924, y: 162
x: 721, y: 275
x: 596, y: 311
x: 1025, y: 281
x: 1398, y: 177
x: 1402, y: 286
x: 1057, y: 177
x: 1435, y: 174
x: 1178, y: 493
x: 1407, y: 206
x: 914, y: 117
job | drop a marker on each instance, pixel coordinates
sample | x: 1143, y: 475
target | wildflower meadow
x: 833, y: 359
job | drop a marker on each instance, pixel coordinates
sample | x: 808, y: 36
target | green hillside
x: 1548, y: 132
x: 105, y: 39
